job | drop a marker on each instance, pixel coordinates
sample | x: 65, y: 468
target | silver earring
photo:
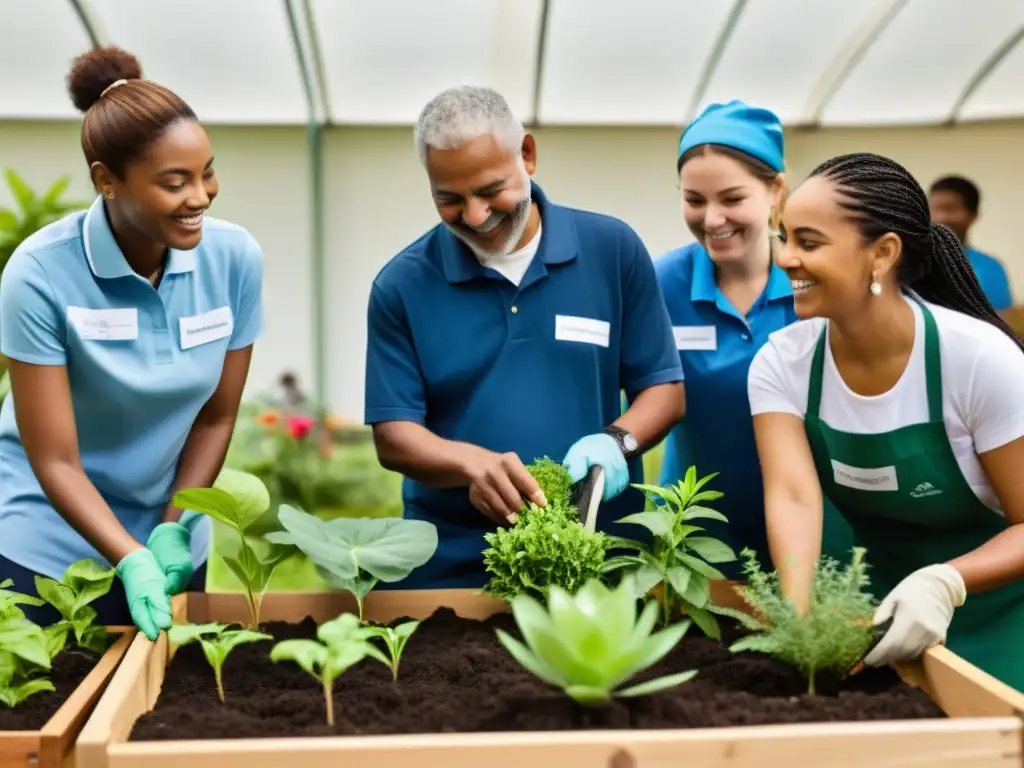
x: 876, y: 288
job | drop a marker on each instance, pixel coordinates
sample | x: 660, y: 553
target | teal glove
x: 148, y: 602
x: 599, y: 449
x: 170, y: 545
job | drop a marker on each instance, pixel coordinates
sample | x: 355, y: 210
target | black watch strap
x: 627, y: 442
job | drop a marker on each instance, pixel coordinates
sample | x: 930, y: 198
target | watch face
x: 630, y: 442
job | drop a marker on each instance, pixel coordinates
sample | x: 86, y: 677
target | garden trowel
x: 586, y: 496
x: 880, y: 631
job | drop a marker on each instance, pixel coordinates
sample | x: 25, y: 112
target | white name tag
x: 696, y: 337
x: 105, y: 324
x: 207, y: 327
x: 582, y: 329
x: 875, y: 479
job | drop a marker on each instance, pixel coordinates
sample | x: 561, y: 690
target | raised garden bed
x: 740, y: 710
x: 41, y: 731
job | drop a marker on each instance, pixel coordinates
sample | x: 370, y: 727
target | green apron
x: 913, y: 508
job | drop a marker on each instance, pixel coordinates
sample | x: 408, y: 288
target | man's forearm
x: 653, y: 413
x: 201, y: 459
x: 414, y: 451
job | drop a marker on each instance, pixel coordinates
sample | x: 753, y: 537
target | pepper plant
x: 84, y: 582
x: 217, y: 642
x: 831, y: 636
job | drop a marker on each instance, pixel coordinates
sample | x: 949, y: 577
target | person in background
x: 289, y: 394
x: 898, y: 396
x: 506, y: 333
x: 725, y: 296
x: 129, y: 329
x: 955, y: 202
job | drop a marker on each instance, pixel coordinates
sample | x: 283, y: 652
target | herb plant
x: 394, y: 639
x: 589, y: 643
x: 553, y: 478
x: 356, y: 553
x: 678, y: 559
x: 239, y: 500
x: 833, y: 634
x: 342, y: 643
x: 25, y: 649
x: 84, y: 582
x: 217, y: 641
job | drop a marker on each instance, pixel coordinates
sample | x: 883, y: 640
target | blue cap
x: 753, y: 130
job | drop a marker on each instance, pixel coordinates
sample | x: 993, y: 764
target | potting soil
x: 68, y: 670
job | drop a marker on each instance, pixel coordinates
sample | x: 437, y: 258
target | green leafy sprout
x: 238, y: 500
x: 354, y: 554
x: 678, y: 559
x: 833, y: 634
x: 342, y: 643
x: 590, y: 643
x: 553, y: 478
x: 84, y: 582
x: 217, y: 641
x: 394, y: 639
x: 25, y: 649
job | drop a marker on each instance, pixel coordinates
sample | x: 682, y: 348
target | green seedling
x: 394, y: 639
x: 238, y: 500
x: 678, y: 559
x: 342, y: 643
x: 833, y: 634
x: 84, y: 582
x: 355, y: 553
x: 590, y: 643
x: 217, y: 641
x: 24, y: 649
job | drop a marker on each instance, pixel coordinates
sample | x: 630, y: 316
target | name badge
x: 582, y: 329
x: 210, y: 326
x: 873, y: 479
x: 105, y: 324
x: 696, y: 337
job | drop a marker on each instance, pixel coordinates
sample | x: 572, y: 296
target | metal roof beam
x: 987, y: 68
x: 715, y: 57
x: 93, y: 29
x: 538, y: 69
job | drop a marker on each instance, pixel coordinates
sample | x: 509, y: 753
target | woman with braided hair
x: 896, y: 396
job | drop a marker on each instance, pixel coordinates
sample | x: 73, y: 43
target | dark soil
x: 455, y: 676
x: 67, y: 673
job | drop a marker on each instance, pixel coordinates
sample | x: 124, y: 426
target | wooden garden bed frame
x: 984, y: 727
x: 51, y: 746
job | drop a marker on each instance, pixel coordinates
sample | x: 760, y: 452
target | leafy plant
x: 24, y: 649
x: 394, y: 639
x: 589, y: 643
x: 84, y: 582
x: 553, y: 478
x: 355, y: 553
x: 342, y: 643
x: 217, y: 641
x: 833, y: 634
x: 238, y: 500
x: 676, y: 558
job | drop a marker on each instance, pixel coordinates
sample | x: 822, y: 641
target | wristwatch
x: 627, y: 442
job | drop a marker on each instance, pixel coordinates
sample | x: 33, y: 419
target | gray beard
x: 519, y: 215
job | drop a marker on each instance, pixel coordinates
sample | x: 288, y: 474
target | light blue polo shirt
x: 141, y: 361
x: 992, y: 276
x: 456, y: 347
x: 716, y: 345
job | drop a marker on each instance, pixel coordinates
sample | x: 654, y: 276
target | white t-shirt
x: 982, y: 399
x: 514, y: 265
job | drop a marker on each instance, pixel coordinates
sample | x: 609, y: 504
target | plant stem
x: 218, y: 676
x: 810, y: 684
x: 666, y: 599
x: 329, y: 702
x: 359, y: 602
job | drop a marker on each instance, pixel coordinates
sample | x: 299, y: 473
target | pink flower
x: 299, y: 426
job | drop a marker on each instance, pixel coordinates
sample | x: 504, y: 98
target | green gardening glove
x: 148, y: 602
x: 170, y: 545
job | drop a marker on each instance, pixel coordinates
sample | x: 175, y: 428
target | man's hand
x: 921, y: 607
x: 498, y: 484
x: 599, y: 449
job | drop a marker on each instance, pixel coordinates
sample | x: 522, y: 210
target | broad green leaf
x: 22, y: 192
x: 88, y: 580
x: 712, y: 550
x: 17, y: 598
x: 12, y: 697
x: 645, y: 579
x: 679, y: 578
x: 657, y: 684
x: 534, y: 664
x: 250, y: 493
x: 621, y: 561
x: 214, y: 502
x: 702, y: 618
x: 53, y: 194
x: 657, y: 521
x: 346, y: 628
x: 229, y: 640
x: 58, y: 595
x: 695, y: 564
x: 697, y: 591
x: 94, y: 638
x: 698, y: 512
x: 588, y: 694
x: 308, y: 654
x: 341, y: 657
x: 706, y: 496
x: 56, y: 638
x: 666, y: 494
x: 25, y: 640
x: 183, y: 634
x: 406, y: 628
x: 239, y: 570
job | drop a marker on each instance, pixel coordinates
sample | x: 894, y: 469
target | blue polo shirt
x: 992, y: 276
x: 716, y: 345
x: 141, y: 362
x: 456, y: 347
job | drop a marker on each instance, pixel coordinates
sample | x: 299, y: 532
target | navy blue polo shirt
x: 716, y: 345
x: 458, y: 348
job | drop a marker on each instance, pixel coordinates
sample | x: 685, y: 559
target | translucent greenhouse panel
x: 917, y: 68
x: 383, y: 60
x: 40, y: 40
x: 779, y: 50
x: 233, y: 61
x: 615, y: 62
x: 1001, y: 94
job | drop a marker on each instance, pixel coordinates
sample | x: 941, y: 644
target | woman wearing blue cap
x: 725, y: 296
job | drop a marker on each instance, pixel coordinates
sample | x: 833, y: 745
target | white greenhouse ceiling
x: 558, y: 62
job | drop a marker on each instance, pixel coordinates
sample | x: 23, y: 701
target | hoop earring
x: 876, y: 288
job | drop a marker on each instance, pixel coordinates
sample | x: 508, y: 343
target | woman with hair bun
x: 896, y: 396
x: 129, y: 329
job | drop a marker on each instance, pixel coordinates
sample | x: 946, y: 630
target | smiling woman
x: 129, y: 329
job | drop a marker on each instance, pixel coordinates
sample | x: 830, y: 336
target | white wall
x: 377, y: 201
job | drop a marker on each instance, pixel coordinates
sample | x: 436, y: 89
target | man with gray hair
x: 505, y: 334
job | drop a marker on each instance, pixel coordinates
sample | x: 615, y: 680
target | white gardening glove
x: 921, y: 607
